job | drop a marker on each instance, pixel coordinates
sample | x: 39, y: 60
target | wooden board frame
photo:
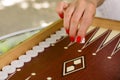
x: 14, y: 53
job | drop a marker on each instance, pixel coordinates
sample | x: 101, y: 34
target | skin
x: 77, y: 16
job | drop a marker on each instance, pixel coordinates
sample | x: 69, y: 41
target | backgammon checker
x: 49, y: 55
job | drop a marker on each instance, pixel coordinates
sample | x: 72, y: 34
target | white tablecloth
x: 109, y: 9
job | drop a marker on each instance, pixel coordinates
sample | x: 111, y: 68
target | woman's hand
x: 78, y: 16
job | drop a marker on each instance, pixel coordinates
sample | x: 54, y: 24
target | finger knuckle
x: 74, y: 20
x: 87, y: 20
x: 67, y: 14
x: 66, y: 24
x: 92, y: 7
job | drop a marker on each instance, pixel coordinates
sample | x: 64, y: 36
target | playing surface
x: 97, y: 59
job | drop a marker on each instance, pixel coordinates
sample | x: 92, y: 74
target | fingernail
x: 78, y: 39
x: 72, y: 39
x: 61, y: 15
x: 83, y: 40
x: 67, y: 31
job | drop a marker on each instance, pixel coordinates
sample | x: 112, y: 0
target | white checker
x: 51, y: 40
x: 61, y: 33
x: 32, y: 53
x: 9, y: 69
x: 25, y: 58
x: 76, y: 62
x: 3, y: 75
x: 55, y: 36
x: 17, y: 63
x: 70, y: 68
x: 63, y: 30
x: 44, y: 44
x: 38, y: 49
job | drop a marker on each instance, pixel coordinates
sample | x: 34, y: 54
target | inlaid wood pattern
x: 51, y: 64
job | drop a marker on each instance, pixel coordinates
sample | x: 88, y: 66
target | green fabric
x: 13, y: 41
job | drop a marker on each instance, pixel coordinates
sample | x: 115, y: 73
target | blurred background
x: 16, y: 15
x: 20, y: 19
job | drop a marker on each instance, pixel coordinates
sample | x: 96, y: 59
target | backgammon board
x: 49, y: 55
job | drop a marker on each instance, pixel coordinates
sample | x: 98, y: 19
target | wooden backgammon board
x: 49, y: 55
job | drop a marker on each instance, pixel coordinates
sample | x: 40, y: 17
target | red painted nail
x: 61, y: 15
x: 72, y: 39
x: 78, y: 39
x: 67, y: 31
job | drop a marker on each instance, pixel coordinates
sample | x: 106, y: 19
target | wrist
x: 100, y: 2
x: 97, y: 3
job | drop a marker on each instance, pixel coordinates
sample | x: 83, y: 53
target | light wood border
x: 106, y: 23
x: 14, y: 53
